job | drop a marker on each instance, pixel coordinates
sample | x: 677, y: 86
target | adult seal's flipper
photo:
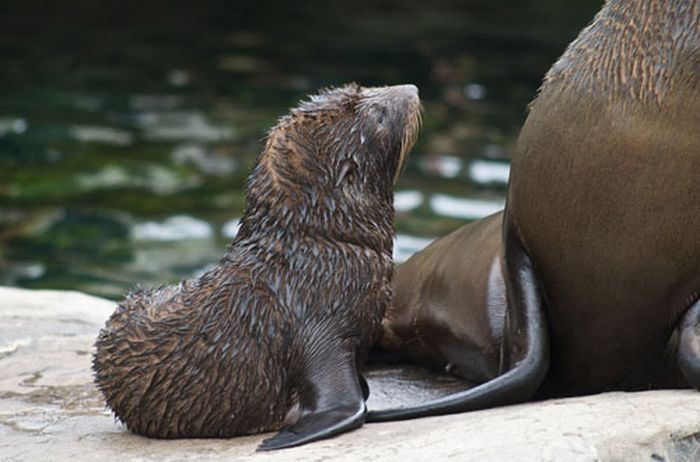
x: 332, y: 403
x: 524, y: 353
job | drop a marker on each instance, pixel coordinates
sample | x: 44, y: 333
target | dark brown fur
x: 306, y: 280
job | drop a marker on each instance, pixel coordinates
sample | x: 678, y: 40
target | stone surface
x: 49, y: 410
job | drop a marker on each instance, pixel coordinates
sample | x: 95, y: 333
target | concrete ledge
x: 50, y: 410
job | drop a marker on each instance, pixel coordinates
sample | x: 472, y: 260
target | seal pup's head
x: 344, y: 134
x: 334, y: 158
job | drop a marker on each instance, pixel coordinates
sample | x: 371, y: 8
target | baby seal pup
x: 271, y: 338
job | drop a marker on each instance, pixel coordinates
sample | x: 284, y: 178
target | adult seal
x: 600, y: 242
x: 449, y: 304
x: 273, y: 336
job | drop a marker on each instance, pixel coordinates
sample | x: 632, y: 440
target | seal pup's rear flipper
x: 333, y: 403
x: 524, y: 352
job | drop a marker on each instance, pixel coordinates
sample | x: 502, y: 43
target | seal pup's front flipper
x: 524, y: 352
x: 332, y: 403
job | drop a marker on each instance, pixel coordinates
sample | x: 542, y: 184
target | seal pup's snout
x: 390, y: 117
x: 407, y: 101
x: 401, y: 102
x: 391, y: 106
x: 404, y: 112
x: 408, y: 91
x: 404, y: 103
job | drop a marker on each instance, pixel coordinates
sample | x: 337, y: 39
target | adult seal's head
x: 272, y: 336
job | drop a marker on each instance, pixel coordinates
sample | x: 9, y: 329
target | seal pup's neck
x: 282, y: 215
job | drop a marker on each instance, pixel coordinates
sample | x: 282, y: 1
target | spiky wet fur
x: 226, y: 354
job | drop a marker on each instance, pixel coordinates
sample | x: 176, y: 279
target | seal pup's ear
x: 333, y: 403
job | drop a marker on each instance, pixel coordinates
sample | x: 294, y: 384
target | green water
x: 127, y: 128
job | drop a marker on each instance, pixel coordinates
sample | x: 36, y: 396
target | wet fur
x: 309, y: 273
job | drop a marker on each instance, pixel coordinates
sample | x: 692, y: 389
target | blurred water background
x: 127, y: 128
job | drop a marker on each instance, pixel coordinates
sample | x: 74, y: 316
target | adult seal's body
x: 449, y: 304
x: 600, y: 234
x: 272, y: 336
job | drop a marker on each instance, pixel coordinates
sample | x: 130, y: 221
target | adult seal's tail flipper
x: 332, y: 403
x: 524, y: 351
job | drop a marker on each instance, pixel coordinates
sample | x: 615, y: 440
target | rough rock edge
x: 49, y: 410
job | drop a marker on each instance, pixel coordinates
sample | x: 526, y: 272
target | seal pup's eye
x: 379, y: 115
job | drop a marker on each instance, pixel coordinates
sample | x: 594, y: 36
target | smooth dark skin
x: 449, y: 305
x: 600, y: 231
